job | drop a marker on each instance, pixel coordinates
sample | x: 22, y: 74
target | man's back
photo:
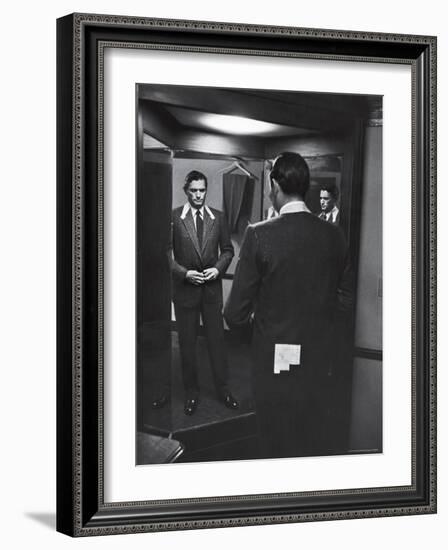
x: 290, y: 272
x: 288, y: 276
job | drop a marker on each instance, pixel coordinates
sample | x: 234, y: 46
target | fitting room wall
x: 367, y: 373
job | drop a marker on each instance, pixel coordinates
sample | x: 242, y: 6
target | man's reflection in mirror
x: 329, y: 195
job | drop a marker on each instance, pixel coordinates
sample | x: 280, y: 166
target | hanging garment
x: 237, y: 195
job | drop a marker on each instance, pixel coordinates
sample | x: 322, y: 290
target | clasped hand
x: 199, y: 278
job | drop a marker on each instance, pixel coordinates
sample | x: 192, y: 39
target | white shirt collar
x: 187, y: 207
x: 292, y: 207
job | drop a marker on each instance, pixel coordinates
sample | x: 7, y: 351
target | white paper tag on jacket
x: 285, y: 356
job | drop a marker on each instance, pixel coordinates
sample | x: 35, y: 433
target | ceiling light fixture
x: 236, y: 124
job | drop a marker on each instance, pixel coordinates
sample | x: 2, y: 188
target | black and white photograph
x: 224, y: 247
x: 258, y: 274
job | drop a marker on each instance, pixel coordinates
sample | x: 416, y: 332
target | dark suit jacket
x: 336, y: 220
x: 217, y: 251
x: 289, y: 273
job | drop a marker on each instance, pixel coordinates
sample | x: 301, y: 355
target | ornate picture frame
x: 82, y: 509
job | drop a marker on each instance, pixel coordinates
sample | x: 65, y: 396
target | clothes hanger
x: 236, y: 165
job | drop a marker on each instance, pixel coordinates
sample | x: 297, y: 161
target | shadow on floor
x: 48, y: 519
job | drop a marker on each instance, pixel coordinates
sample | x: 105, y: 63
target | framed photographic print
x: 246, y: 274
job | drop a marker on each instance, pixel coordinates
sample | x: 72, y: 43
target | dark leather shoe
x: 191, y: 404
x: 160, y: 402
x: 230, y: 402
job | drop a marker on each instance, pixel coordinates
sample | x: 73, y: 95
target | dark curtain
x: 237, y: 194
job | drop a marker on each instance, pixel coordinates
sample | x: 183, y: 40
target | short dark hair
x: 331, y: 188
x: 291, y: 172
x: 194, y: 175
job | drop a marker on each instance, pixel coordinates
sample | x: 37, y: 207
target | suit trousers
x: 292, y: 407
x: 187, y: 319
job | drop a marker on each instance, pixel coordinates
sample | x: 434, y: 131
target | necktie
x: 199, y: 226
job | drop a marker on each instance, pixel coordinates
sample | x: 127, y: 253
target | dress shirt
x: 202, y: 210
x: 293, y: 207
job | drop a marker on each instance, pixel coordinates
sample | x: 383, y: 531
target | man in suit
x: 201, y: 253
x: 286, y: 284
x: 329, y: 195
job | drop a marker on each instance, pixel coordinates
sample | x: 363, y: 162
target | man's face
x: 196, y: 193
x: 327, y: 201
